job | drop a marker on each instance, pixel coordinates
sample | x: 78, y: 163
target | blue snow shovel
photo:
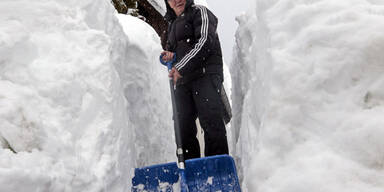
x: 208, y: 174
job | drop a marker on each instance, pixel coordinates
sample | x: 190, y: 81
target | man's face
x: 177, y: 6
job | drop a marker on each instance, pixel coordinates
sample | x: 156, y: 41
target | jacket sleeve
x: 204, y: 25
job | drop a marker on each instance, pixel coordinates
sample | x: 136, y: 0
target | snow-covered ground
x: 308, y: 96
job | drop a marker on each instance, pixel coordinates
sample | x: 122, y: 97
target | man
x: 198, y: 75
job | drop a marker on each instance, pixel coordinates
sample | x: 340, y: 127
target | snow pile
x: 308, y: 96
x: 159, y: 5
x: 81, y: 102
x: 146, y: 86
x: 201, y: 2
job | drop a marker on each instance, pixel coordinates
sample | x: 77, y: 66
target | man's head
x: 177, y: 5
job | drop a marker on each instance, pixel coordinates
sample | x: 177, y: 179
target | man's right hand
x: 167, y: 56
x: 174, y: 74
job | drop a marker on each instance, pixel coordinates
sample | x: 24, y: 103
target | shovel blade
x: 211, y: 174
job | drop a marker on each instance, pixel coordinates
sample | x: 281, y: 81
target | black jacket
x: 193, y: 37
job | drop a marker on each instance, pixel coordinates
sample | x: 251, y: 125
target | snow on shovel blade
x: 211, y: 174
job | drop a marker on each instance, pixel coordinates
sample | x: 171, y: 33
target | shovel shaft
x: 179, y: 151
x: 179, y: 145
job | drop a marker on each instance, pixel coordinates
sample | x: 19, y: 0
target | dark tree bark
x: 120, y: 6
x: 131, y: 4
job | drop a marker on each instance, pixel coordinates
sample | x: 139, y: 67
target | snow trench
x: 84, y: 100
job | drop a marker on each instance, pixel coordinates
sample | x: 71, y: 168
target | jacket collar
x: 170, y: 15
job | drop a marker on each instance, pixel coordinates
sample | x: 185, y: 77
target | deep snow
x: 81, y: 102
x: 308, y: 97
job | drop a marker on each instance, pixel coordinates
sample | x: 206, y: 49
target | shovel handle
x: 179, y: 152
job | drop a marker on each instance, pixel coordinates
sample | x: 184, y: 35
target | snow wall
x: 81, y: 102
x: 308, y: 96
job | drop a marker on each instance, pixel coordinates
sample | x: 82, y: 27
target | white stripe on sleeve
x: 202, y: 40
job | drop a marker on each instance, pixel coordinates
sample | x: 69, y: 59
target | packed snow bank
x: 81, y: 102
x: 308, y: 97
x: 201, y: 2
x: 159, y: 5
x: 146, y: 87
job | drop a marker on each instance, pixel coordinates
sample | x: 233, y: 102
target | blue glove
x: 168, y: 63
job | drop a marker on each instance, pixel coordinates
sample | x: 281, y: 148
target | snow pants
x: 201, y: 98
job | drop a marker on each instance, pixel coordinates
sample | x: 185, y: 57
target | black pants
x: 201, y: 98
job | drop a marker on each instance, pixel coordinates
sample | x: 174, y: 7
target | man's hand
x: 167, y: 56
x: 174, y: 74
